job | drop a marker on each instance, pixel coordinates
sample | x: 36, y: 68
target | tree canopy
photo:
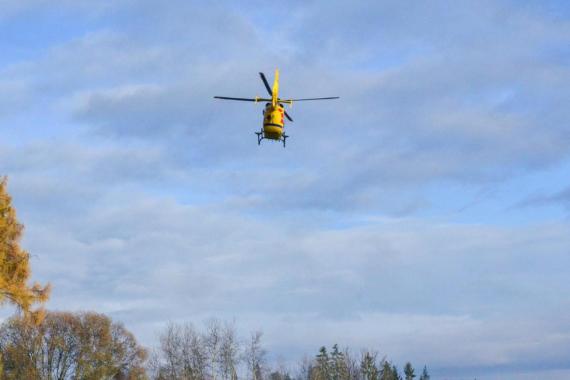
x: 14, y: 261
x: 70, y: 346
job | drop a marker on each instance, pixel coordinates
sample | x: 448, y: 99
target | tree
x: 409, y: 371
x: 395, y: 373
x: 368, y: 366
x: 187, y: 354
x: 279, y: 372
x: 254, y: 355
x: 279, y: 375
x: 305, y: 369
x: 213, y: 345
x: 352, y: 366
x: 425, y: 374
x: 321, y: 370
x: 69, y: 346
x: 15, y: 262
x: 181, y: 354
x: 388, y: 371
x: 338, y: 365
x: 229, y: 352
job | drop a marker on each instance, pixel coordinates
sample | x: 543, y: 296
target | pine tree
x: 338, y: 365
x: 368, y: 367
x: 425, y: 374
x: 409, y: 371
x: 15, y: 262
x: 322, y: 369
x: 387, y: 373
x: 395, y: 374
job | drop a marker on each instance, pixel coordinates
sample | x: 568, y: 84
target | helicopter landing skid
x: 260, y: 137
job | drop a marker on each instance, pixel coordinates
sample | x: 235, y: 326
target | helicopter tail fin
x: 275, y: 91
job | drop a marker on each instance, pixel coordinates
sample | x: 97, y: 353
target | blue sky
x: 424, y: 214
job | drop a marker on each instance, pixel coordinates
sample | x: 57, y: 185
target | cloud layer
x: 392, y: 220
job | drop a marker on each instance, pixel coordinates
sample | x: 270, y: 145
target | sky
x: 424, y: 214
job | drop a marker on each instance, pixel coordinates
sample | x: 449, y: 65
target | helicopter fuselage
x: 273, y: 122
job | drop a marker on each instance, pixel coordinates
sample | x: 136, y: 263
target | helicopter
x: 274, y: 112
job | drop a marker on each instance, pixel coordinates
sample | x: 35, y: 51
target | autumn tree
x: 14, y: 261
x: 70, y: 346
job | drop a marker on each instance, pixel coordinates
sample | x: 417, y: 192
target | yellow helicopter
x: 274, y: 112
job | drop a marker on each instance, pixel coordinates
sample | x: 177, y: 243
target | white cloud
x: 146, y: 199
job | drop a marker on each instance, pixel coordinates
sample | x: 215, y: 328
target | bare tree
x: 170, y: 344
x: 229, y: 352
x: 280, y: 371
x: 181, y: 354
x: 352, y: 366
x: 255, y: 356
x: 213, y: 346
x: 196, y: 353
x: 305, y: 368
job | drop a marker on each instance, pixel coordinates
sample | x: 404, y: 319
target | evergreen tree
x: 409, y: 371
x: 425, y: 374
x: 368, y: 367
x: 395, y: 373
x: 15, y: 262
x: 322, y: 370
x: 279, y: 375
x: 387, y: 373
x: 338, y: 365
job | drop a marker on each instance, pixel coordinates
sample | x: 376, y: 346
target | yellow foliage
x: 15, y: 263
x: 87, y: 346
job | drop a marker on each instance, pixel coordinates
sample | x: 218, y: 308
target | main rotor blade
x: 266, y: 83
x: 287, y: 116
x: 242, y: 99
x: 300, y: 100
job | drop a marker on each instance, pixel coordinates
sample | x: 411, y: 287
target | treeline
x: 342, y: 365
x: 216, y: 352
x: 40, y: 345
x: 90, y: 346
